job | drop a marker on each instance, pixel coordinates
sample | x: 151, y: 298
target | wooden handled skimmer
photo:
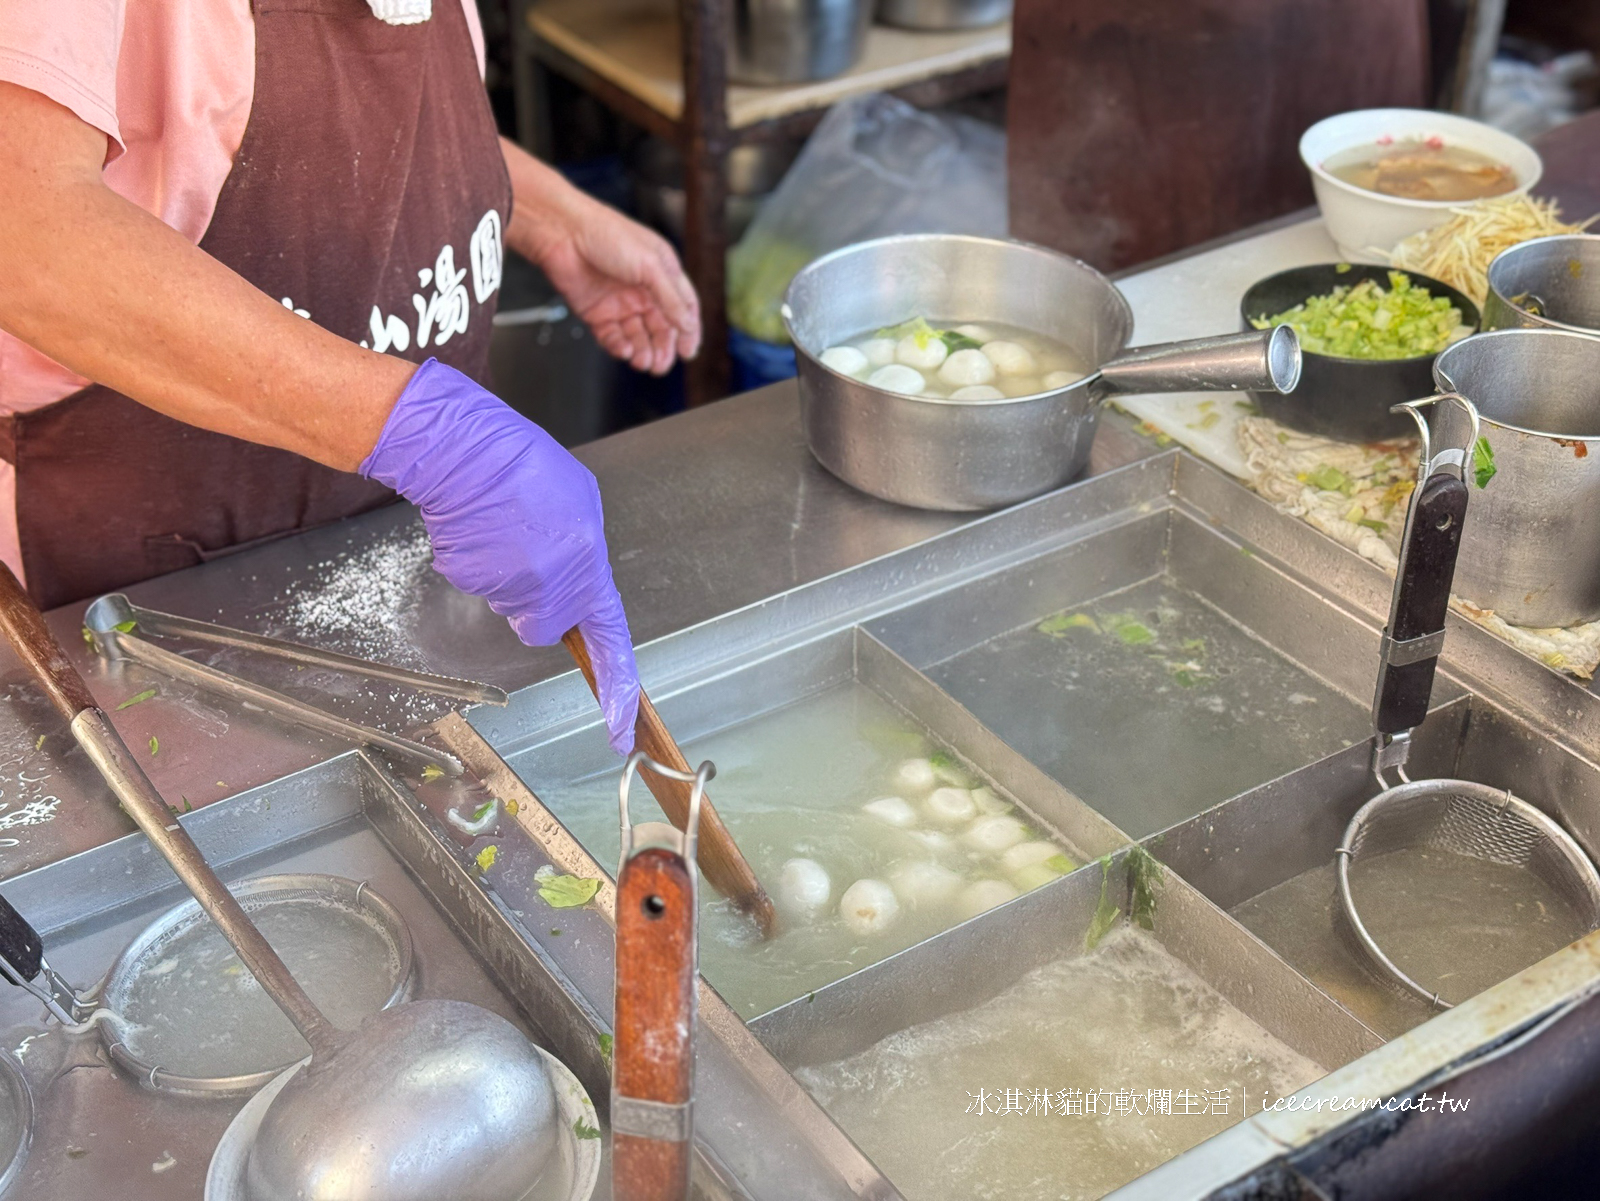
x: 652, y: 1125
x: 719, y: 857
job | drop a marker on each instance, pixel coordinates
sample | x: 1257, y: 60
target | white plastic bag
x: 875, y: 166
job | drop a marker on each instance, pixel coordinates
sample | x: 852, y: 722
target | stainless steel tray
x: 1290, y: 597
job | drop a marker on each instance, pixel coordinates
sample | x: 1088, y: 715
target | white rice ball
x: 949, y: 806
x: 804, y: 888
x: 915, y: 775
x: 982, y: 895
x: 965, y: 368
x: 1026, y: 864
x: 1026, y: 854
x: 1020, y: 385
x: 1011, y: 358
x: 896, y: 378
x: 925, y: 353
x: 846, y: 360
x: 936, y: 841
x: 988, y: 801
x: 891, y: 811
x: 949, y: 771
x: 878, y: 351
x: 1060, y: 379
x: 921, y: 885
x: 995, y: 834
x: 978, y: 333
x: 977, y: 392
x: 869, y: 906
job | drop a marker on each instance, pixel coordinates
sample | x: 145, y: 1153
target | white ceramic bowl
x: 1365, y: 224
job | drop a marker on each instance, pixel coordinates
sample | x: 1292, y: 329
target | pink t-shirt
x: 169, y: 82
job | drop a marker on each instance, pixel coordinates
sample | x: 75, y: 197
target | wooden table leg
x: 705, y: 146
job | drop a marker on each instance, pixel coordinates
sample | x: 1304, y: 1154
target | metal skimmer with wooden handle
x: 719, y: 856
x: 429, y: 1101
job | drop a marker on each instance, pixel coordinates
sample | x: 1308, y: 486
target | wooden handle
x: 655, y: 1017
x: 36, y: 646
x: 720, y: 858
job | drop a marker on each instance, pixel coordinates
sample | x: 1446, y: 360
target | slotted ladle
x: 432, y: 1100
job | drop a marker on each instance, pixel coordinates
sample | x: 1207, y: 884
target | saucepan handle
x: 1429, y: 546
x: 1266, y: 360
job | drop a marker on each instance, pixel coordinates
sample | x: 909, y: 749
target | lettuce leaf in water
x: 1365, y: 321
x: 925, y: 333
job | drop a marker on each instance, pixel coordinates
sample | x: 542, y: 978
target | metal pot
x: 965, y: 455
x: 1546, y: 283
x: 795, y: 41
x: 943, y: 14
x: 1531, y: 552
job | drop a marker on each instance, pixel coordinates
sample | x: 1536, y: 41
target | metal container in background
x: 795, y: 41
x: 1546, y: 283
x: 961, y: 455
x: 943, y: 14
x: 1531, y: 552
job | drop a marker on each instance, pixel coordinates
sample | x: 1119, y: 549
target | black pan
x: 1346, y: 398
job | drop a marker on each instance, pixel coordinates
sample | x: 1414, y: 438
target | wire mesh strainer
x: 1456, y: 816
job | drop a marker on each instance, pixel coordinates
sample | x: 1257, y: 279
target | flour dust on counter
x: 1084, y: 1074
x: 868, y: 834
x: 1150, y: 704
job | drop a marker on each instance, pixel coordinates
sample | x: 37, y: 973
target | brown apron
x: 369, y: 193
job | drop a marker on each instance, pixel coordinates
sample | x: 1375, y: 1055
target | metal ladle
x: 429, y: 1101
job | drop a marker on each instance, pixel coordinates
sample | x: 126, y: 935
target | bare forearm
x: 112, y: 293
x: 542, y: 201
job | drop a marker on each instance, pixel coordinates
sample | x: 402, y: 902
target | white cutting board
x: 1197, y: 296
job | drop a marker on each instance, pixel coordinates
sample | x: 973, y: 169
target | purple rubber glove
x: 513, y: 518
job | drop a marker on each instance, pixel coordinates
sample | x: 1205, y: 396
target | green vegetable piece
x: 583, y: 1130
x: 1329, y: 479
x: 1194, y: 646
x: 1341, y: 268
x: 1060, y: 863
x: 1186, y: 677
x: 943, y: 761
x: 1148, y: 880
x: 154, y: 745
x: 1135, y: 633
x: 88, y: 640
x: 1366, y: 321
x: 125, y: 627
x: 606, y: 1045
x: 38, y: 743
x: 136, y: 699
x: 1206, y: 422
x: 1483, y: 468
x: 568, y: 892
x: 188, y: 806
x: 487, y: 856
x: 1106, y: 914
x: 1372, y: 523
x: 954, y: 341
x: 1060, y: 623
x: 482, y: 810
x: 432, y: 772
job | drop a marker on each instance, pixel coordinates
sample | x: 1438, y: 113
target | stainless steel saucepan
x: 958, y: 455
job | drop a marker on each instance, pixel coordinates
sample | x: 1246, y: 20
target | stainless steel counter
x: 706, y: 512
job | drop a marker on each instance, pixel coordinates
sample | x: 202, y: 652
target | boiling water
x: 1002, y: 361
x: 1127, y: 1016
x: 791, y: 784
x: 1151, y: 705
x: 1451, y: 922
x: 197, y: 1011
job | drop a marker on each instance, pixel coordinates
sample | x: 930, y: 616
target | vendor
x: 230, y: 232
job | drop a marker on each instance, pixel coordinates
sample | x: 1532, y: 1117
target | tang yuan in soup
x: 990, y: 361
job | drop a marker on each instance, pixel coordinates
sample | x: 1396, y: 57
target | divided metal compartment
x: 837, y: 662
